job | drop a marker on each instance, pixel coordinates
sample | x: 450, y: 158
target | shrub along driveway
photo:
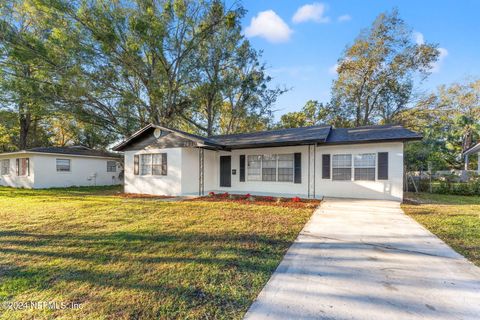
x: 137, y: 258
x: 361, y: 259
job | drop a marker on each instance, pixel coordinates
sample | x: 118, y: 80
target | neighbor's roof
x: 71, y: 150
x: 473, y: 149
x: 287, y: 137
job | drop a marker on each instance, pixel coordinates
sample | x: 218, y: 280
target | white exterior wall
x: 190, y: 171
x: 84, y: 171
x: 391, y: 189
x: 171, y: 184
x: 273, y: 188
x: 11, y: 179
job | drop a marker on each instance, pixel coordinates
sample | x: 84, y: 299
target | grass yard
x: 454, y: 219
x: 136, y: 258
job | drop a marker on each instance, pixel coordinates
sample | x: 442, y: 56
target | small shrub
x: 251, y: 198
x: 225, y: 195
x: 211, y: 194
x: 296, y: 199
x: 268, y: 198
x: 248, y: 195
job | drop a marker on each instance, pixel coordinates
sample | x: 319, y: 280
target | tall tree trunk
x: 25, y: 120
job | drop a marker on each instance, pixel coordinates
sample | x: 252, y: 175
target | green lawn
x: 454, y: 219
x: 124, y: 258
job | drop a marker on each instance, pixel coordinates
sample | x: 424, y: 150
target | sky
x: 302, y: 40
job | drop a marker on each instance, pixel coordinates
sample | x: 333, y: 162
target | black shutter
x: 18, y: 166
x: 297, y: 167
x: 325, y: 166
x: 136, y: 164
x: 164, y: 164
x: 242, y: 168
x: 382, y: 166
x: 28, y: 166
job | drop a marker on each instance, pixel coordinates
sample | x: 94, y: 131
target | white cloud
x: 268, y: 25
x: 344, y: 18
x: 333, y: 69
x: 419, y: 39
x: 437, y: 64
x: 311, y: 12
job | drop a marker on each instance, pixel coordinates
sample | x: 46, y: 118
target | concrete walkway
x: 364, y: 259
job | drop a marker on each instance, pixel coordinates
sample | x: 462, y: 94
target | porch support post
x: 478, y: 163
x: 466, y: 162
x: 311, y: 170
x: 201, y: 172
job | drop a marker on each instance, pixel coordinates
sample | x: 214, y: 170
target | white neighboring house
x: 310, y: 162
x: 473, y: 150
x: 52, y: 167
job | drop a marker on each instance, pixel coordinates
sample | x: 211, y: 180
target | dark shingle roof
x: 288, y: 137
x: 371, y: 133
x: 75, y: 150
x: 305, y: 135
x: 472, y: 150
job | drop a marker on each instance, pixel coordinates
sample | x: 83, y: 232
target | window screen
x: 111, y: 166
x: 254, y: 168
x: 285, y: 167
x: 63, y: 165
x: 157, y: 164
x: 146, y: 164
x: 5, y: 167
x: 342, y: 167
x: 269, y: 167
x: 365, y: 167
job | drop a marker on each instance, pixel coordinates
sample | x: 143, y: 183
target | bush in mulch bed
x: 295, y: 202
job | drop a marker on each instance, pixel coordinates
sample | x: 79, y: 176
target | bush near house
x: 138, y: 258
x: 448, y: 184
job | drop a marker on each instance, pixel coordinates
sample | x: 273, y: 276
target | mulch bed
x: 260, y: 200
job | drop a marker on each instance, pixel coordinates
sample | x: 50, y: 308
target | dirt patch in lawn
x: 142, y: 196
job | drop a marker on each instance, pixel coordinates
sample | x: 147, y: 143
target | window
x: 270, y: 167
x: 63, y: 165
x: 154, y: 164
x: 342, y: 167
x: 23, y: 166
x: 254, y: 166
x: 365, y: 167
x: 285, y: 167
x: 5, y: 167
x: 111, y: 166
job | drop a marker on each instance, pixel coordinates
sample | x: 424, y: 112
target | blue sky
x: 302, y: 40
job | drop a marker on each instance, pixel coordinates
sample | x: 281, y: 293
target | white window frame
x: 7, y: 167
x: 363, y: 166
x: 18, y: 168
x: 150, y: 173
x: 111, y: 166
x: 342, y: 167
x: 260, y: 175
x: 69, y: 165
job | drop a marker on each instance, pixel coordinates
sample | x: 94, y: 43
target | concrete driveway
x: 365, y: 259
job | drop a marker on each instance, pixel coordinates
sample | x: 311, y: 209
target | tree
x: 449, y: 120
x: 313, y: 113
x: 375, y: 74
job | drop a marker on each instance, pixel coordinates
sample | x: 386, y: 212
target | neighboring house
x: 59, y: 167
x: 364, y: 162
x: 475, y: 149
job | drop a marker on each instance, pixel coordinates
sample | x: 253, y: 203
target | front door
x: 225, y: 171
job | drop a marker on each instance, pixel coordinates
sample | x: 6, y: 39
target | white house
x: 59, y: 167
x: 311, y: 162
x: 473, y: 150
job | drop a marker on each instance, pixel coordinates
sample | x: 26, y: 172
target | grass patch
x: 454, y: 219
x: 129, y: 258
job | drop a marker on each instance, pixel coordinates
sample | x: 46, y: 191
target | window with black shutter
x: 325, y: 166
x: 164, y: 164
x: 297, y: 167
x: 382, y: 166
x: 242, y: 168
